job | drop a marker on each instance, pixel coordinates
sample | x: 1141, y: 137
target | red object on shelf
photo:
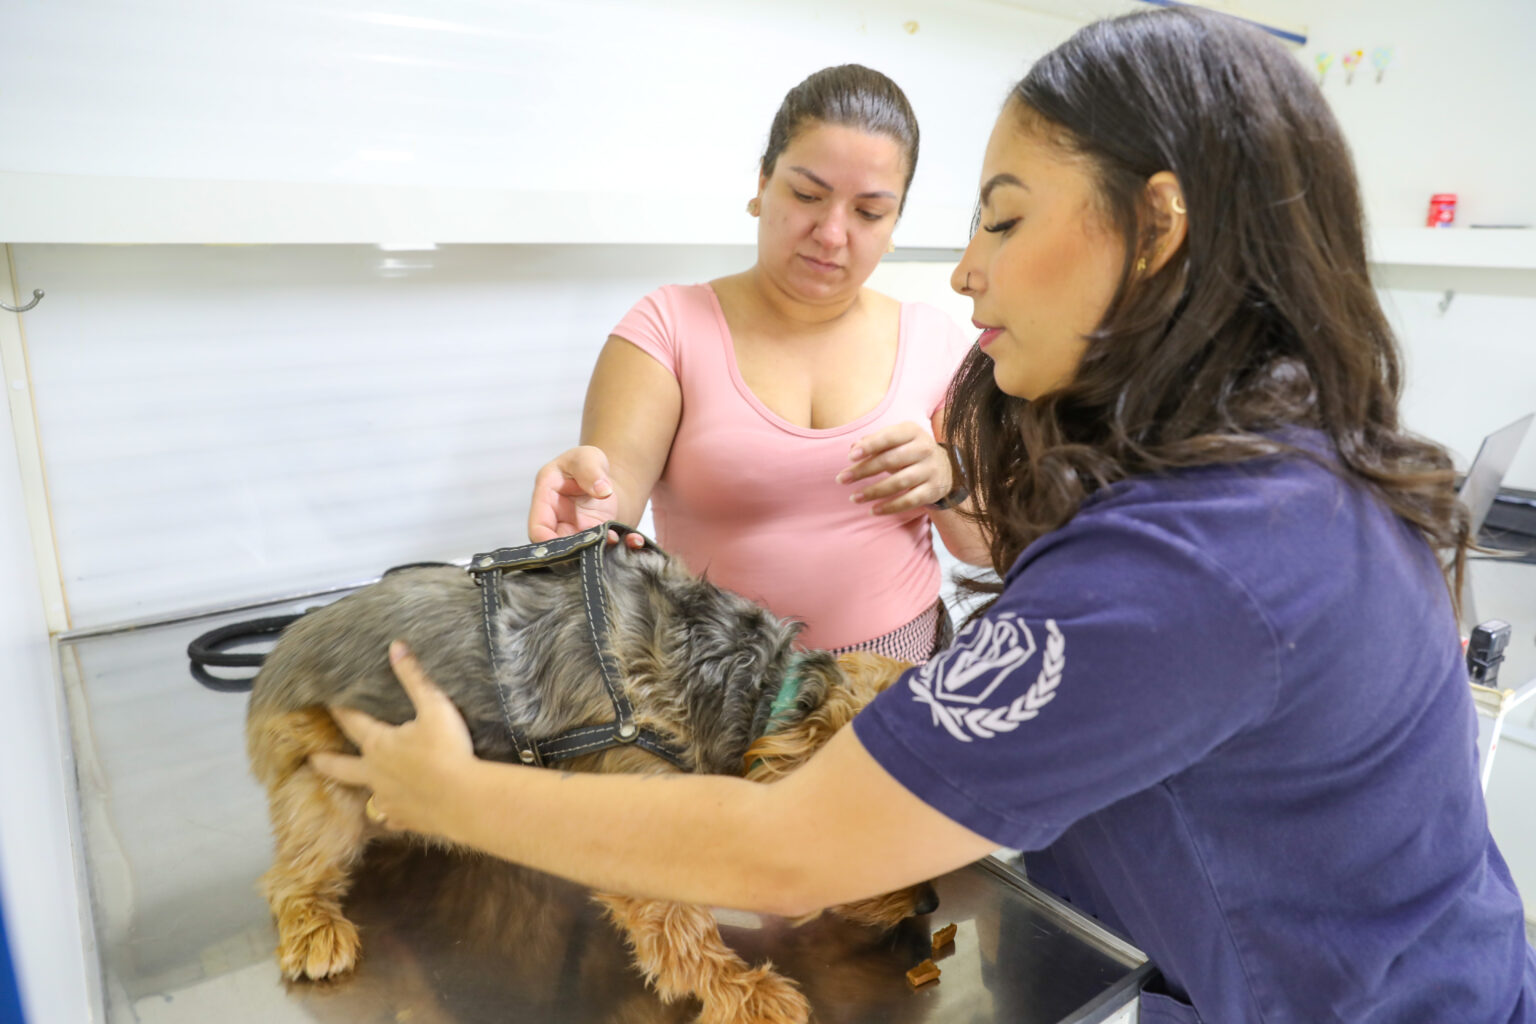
x: 1442, y: 210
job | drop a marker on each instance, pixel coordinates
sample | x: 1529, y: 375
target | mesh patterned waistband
x: 916, y: 642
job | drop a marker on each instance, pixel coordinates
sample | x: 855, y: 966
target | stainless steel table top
x: 176, y: 836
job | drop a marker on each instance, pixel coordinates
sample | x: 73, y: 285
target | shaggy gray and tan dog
x: 700, y: 667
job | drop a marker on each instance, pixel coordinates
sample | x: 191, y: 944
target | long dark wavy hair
x: 1263, y: 319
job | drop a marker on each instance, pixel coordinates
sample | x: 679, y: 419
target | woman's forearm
x: 838, y: 829
x: 702, y: 839
x: 631, y: 413
x: 962, y: 537
x: 707, y: 839
x: 631, y: 495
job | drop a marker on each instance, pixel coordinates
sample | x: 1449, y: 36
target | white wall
x: 1452, y: 113
x: 659, y: 104
x: 37, y: 861
x: 222, y: 424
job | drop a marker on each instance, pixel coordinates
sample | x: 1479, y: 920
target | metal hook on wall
x: 37, y: 296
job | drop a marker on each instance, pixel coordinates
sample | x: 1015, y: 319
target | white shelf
x: 65, y: 208
x: 111, y: 210
x: 1494, y: 248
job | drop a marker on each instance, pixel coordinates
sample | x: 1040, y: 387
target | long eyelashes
x: 868, y: 215
x: 998, y: 229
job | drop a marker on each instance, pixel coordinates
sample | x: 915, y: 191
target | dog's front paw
x: 314, y: 942
x: 761, y: 996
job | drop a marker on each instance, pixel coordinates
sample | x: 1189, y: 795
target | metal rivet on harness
x: 540, y: 551
x: 527, y: 756
x: 627, y: 731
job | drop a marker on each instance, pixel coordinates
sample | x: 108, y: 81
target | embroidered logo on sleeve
x: 957, y: 683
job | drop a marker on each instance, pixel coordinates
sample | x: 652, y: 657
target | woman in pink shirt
x: 782, y: 420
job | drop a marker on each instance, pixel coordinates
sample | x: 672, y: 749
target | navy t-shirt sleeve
x: 1117, y: 656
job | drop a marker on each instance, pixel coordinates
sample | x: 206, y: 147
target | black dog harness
x: 212, y: 648
x: 587, y: 546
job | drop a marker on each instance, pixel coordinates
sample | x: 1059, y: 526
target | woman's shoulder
x: 673, y: 307
x: 879, y: 302
x: 930, y: 330
x: 680, y: 297
x: 1292, y: 512
x: 1301, y: 476
x: 911, y: 311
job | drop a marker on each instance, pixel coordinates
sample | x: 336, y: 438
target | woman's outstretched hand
x: 571, y: 493
x: 410, y: 768
x: 917, y: 467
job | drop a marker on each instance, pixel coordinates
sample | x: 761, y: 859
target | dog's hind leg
x: 678, y: 948
x: 320, y: 833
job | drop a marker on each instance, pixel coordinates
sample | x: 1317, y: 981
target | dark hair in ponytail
x: 850, y: 95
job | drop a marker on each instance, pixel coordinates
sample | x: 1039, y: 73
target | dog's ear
x: 848, y: 685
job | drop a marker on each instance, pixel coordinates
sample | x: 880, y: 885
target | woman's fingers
x: 916, y: 470
x: 883, y: 451
x: 903, y: 482
x: 425, y: 697
x: 563, y: 487
x: 358, y: 726
x: 899, y: 493
x: 343, y: 768
x: 403, y: 765
x: 586, y: 468
x: 437, y: 718
x: 543, y: 512
x: 891, y: 461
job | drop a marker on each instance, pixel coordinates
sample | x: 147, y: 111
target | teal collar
x: 772, y: 718
x: 789, y: 692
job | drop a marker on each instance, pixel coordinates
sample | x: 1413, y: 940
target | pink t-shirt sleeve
x: 947, y: 348
x: 652, y: 326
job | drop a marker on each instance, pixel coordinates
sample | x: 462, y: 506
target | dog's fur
x: 697, y: 663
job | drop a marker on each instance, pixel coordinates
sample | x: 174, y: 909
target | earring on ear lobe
x: 890, y: 247
x: 1178, y: 205
x: 753, y: 206
x: 1141, y: 265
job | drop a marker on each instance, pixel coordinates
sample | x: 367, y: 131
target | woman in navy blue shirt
x: 1219, y: 696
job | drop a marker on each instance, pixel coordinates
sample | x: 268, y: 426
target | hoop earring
x: 1178, y: 205
x: 753, y: 206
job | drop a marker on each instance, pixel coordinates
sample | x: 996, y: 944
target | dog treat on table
x: 923, y: 974
x: 943, y: 937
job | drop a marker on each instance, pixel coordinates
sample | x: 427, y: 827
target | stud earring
x: 753, y: 207
x: 1141, y: 265
x: 1178, y: 205
x: 890, y: 247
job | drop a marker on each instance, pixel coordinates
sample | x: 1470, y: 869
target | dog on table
x: 596, y: 657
